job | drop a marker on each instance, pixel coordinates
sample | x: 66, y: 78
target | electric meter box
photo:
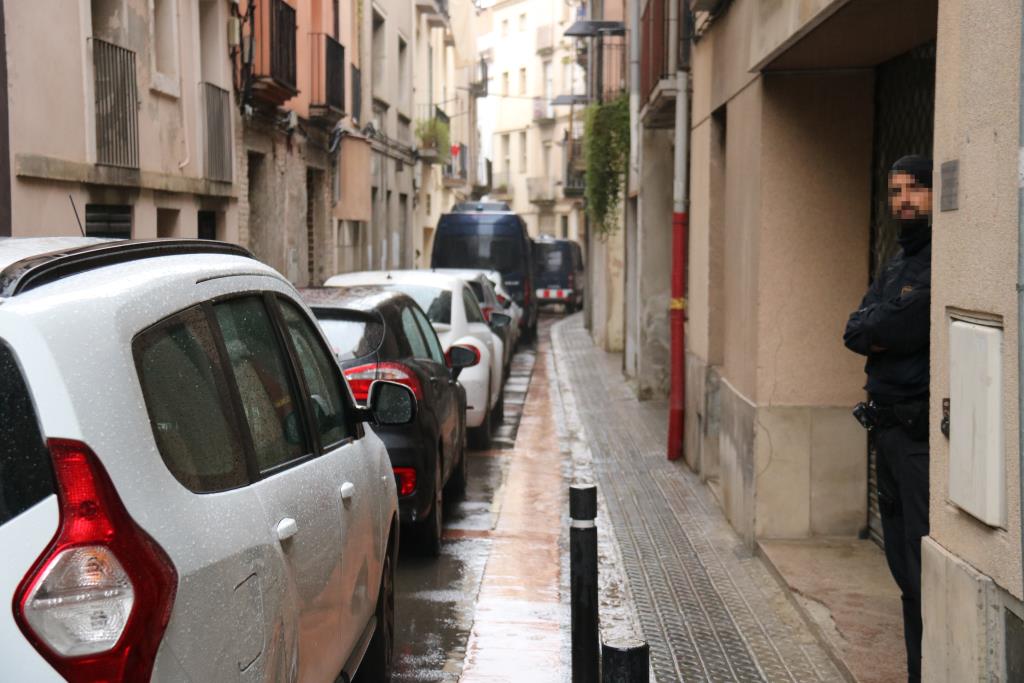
x: 977, y: 470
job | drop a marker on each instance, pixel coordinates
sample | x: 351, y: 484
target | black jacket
x: 892, y: 326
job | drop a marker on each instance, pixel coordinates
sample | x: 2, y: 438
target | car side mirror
x: 391, y: 403
x: 461, y: 356
x: 500, y: 321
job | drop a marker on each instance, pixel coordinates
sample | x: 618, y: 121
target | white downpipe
x: 680, y: 185
x: 673, y: 37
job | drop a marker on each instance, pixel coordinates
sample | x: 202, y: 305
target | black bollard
x: 625, y: 661
x: 583, y: 578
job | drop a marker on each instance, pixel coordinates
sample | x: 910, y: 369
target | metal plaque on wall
x: 950, y: 197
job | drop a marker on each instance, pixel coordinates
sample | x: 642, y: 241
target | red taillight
x: 487, y: 310
x: 405, y: 480
x: 97, y: 601
x: 361, y: 377
x: 502, y: 299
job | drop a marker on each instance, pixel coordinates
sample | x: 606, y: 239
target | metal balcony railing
x: 217, y: 103
x: 274, y: 55
x: 327, y: 70
x: 654, y: 49
x: 357, y: 94
x: 117, y: 105
x: 540, y: 190
x: 575, y: 182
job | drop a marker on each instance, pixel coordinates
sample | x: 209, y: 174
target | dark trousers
x: 903, y: 499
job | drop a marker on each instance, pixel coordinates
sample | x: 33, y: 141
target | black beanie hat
x: 916, y: 165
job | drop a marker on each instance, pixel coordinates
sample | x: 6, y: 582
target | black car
x: 379, y: 333
x: 558, y: 272
x: 491, y: 240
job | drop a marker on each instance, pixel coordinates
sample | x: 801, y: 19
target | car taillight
x: 405, y: 479
x: 502, y: 299
x: 487, y: 310
x: 361, y: 377
x: 97, y: 601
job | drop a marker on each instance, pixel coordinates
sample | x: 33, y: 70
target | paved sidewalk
x: 708, y: 607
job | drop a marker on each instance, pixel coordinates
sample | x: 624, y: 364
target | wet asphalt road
x: 436, y: 596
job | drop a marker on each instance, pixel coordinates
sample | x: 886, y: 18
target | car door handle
x: 348, y: 489
x: 286, y: 528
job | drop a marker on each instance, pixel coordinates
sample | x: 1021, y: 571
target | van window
x: 26, y: 473
x: 260, y: 369
x: 503, y: 253
x: 186, y: 395
x: 550, y: 258
x: 323, y: 381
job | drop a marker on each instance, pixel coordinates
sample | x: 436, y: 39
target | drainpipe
x: 677, y: 307
x: 672, y: 46
x: 1020, y: 282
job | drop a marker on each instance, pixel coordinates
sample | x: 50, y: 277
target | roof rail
x: 41, y: 269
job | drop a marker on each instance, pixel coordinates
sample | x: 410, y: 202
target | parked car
x: 379, y: 333
x: 187, y: 492
x: 558, y: 269
x: 480, y: 206
x: 490, y: 240
x: 453, y: 311
x: 487, y: 297
x: 512, y: 309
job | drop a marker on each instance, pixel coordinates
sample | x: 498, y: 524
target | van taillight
x: 97, y: 601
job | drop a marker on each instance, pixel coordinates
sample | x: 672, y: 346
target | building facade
x: 531, y: 141
x: 798, y: 111
x: 142, y: 136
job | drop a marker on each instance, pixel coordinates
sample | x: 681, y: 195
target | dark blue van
x: 490, y: 240
x: 558, y: 270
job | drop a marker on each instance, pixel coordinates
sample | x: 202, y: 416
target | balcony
x: 541, y: 190
x: 657, y: 85
x: 543, y: 112
x: 117, y: 105
x: 433, y: 130
x: 575, y: 168
x: 436, y: 12
x: 327, y: 76
x: 273, y: 59
x: 545, y: 39
x: 217, y: 106
x: 455, y: 172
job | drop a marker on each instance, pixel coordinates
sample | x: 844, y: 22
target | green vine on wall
x: 606, y: 146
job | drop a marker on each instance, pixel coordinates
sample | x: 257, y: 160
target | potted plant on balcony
x: 435, y: 140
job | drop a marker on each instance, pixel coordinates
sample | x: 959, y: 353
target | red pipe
x: 677, y: 327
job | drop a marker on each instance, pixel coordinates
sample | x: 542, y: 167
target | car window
x: 321, y: 373
x: 433, y: 343
x: 478, y: 290
x: 349, y: 338
x: 473, y: 313
x: 190, y: 410
x: 411, y: 330
x: 436, y: 302
x: 259, y: 367
x: 26, y: 475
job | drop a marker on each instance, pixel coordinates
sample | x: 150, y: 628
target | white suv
x: 187, y: 491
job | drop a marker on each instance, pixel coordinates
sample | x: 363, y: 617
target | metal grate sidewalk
x: 708, y: 607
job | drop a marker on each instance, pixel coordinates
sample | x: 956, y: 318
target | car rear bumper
x: 412, y: 447
x: 555, y: 295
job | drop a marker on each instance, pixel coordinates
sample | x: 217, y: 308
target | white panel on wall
x: 977, y: 481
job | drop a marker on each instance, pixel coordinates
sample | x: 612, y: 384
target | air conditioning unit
x: 703, y: 5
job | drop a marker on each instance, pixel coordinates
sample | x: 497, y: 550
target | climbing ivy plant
x: 606, y: 146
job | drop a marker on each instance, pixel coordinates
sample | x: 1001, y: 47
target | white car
x: 487, y: 296
x: 187, y: 490
x: 453, y: 310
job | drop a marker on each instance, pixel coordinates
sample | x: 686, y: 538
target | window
x: 260, y: 371
x: 506, y: 148
x: 522, y: 22
x: 436, y: 352
x: 323, y: 380
x: 108, y: 220
x: 163, y: 32
x: 403, y: 74
x: 522, y: 81
x: 473, y: 313
x: 350, y: 337
x: 436, y: 302
x: 379, y: 54
x: 504, y: 83
x: 189, y: 405
x: 522, y: 151
x: 26, y: 475
x: 504, y: 27
x: 411, y: 330
x: 206, y: 225
x: 565, y: 227
x: 167, y: 223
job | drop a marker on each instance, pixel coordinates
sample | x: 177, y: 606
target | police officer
x: 891, y: 328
